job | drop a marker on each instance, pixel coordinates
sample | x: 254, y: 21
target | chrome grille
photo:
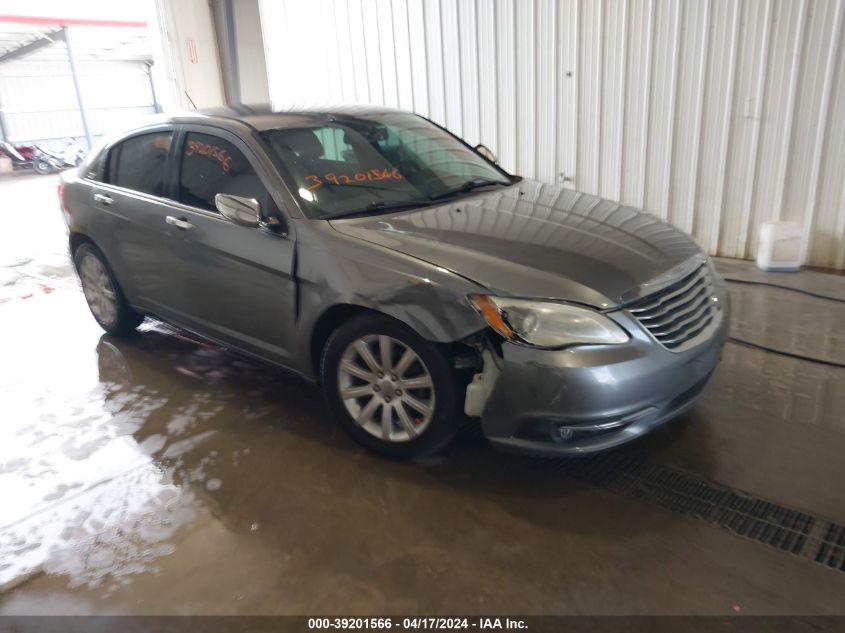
x: 683, y: 313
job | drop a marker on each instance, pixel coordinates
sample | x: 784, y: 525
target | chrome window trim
x: 257, y: 157
x: 147, y: 197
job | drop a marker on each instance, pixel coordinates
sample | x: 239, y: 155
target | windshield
x: 374, y: 163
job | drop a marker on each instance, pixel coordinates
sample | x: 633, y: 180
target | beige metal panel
x: 612, y: 90
x: 452, y: 66
x: 666, y: 34
x: 547, y: 76
x: 419, y: 62
x: 568, y: 79
x: 331, y: 58
x: 778, y: 107
x: 372, y: 51
x: 811, y: 119
x: 347, y: 69
x: 715, y: 114
x: 589, y: 96
x: 402, y: 50
x: 526, y: 87
x: 468, y: 62
x: 634, y: 147
x: 506, y: 71
x: 387, y: 52
x: 689, y: 107
x: 719, y: 82
x: 434, y: 61
x: 826, y: 201
x: 749, y: 89
x: 487, y: 76
x: 359, y: 50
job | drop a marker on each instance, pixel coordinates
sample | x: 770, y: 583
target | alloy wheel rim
x: 386, y: 388
x: 98, y: 289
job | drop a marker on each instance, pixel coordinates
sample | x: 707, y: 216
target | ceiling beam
x: 51, y: 21
x: 37, y: 45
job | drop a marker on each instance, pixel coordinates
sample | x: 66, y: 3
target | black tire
x: 447, y: 416
x: 43, y: 167
x: 125, y: 319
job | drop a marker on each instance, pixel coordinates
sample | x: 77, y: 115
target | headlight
x: 546, y: 324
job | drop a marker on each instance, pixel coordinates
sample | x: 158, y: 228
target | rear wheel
x: 104, y: 297
x: 391, y: 390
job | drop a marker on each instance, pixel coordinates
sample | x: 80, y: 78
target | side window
x: 139, y: 163
x: 212, y: 165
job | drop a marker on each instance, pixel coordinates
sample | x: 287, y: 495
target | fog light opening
x: 564, y: 433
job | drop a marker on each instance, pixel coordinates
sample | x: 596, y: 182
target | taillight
x: 60, y: 190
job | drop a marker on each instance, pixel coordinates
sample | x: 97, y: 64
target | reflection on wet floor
x: 95, y: 448
x: 161, y: 474
x: 794, y: 323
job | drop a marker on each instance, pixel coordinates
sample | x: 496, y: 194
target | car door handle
x: 103, y: 199
x: 179, y: 224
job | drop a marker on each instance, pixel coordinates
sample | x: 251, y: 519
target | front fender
x: 333, y: 269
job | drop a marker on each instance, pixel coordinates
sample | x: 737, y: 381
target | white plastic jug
x: 779, y: 247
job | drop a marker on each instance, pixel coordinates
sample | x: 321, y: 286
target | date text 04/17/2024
x: 418, y: 623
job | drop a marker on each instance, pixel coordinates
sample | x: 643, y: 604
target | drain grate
x: 789, y: 530
x: 832, y: 550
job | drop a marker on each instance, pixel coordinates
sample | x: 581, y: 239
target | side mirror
x: 487, y: 153
x: 238, y: 209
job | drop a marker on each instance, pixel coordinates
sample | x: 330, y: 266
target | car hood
x: 538, y: 240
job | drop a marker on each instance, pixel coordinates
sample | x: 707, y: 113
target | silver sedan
x: 422, y: 285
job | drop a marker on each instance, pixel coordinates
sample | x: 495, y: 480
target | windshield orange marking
x: 357, y: 177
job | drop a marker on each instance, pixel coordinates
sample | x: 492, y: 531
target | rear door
x: 132, y: 194
x: 239, y: 281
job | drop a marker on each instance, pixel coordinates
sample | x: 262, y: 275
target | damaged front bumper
x: 591, y: 398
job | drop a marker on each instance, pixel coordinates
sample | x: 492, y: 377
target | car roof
x: 266, y: 117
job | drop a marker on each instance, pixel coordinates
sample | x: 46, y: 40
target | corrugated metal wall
x: 39, y: 102
x: 715, y: 114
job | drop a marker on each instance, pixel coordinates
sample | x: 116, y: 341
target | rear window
x: 139, y: 163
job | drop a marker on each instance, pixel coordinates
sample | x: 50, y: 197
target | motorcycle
x: 71, y: 155
x: 31, y: 157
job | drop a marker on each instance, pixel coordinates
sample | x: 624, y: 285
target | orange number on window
x: 314, y: 179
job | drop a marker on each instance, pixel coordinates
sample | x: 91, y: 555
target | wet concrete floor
x: 162, y: 475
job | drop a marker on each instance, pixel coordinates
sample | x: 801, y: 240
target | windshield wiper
x: 382, y: 206
x: 468, y: 186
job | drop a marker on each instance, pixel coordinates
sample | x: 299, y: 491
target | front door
x: 239, y: 280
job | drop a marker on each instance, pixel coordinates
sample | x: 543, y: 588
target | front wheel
x: 392, y: 391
